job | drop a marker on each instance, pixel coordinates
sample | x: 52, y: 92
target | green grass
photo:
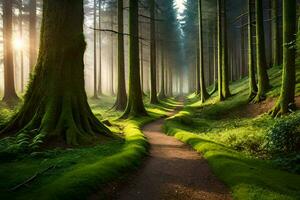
x: 234, y: 145
x: 77, y: 172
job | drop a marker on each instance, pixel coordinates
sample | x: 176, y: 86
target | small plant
x: 284, y: 136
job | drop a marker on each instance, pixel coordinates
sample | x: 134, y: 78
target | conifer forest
x: 150, y: 99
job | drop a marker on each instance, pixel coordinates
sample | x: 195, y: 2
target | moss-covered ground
x: 74, y: 173
x: 232, y: 136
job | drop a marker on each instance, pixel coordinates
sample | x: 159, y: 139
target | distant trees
x: 286, y: 100
x: 275, y: 33
x: 10, y: 95
x: 55, y: 105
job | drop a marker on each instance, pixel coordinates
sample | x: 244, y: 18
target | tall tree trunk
x: 21, y: 51
x: 275, y: 34
x: 95, y: 92
x: 32, y: 34
x: 135, y: 106
x: 62, y: 113
x: 225, y: 68
x: 121, y: 101
x: 10, y: 95
x: 252, y: 80
x: 153, y: 92
x: 262, y: 74
x: 286, y: 100
x: 220, y: 64
x: 203, y: 91
x: 198, y: 84
x: 100, y: 52
x: 112, y: 57
x: 162, y: 93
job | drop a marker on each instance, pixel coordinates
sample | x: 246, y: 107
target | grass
x: 234, y: 143
x: 77, y: 172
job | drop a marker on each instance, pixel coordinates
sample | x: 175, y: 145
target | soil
x: 172, y: 171
x: 254, y: 110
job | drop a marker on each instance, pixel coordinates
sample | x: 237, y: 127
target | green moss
x: 235, y: 145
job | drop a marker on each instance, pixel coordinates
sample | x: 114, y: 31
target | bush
x: 284, y: 136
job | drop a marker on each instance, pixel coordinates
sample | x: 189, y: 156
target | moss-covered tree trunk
x: 262, y: 75
x: 135, y: 106
x: 286, y: 101
x: 121, y: 101
x: 275, y: 34
x: 219, y: 33
x: 203, y: 92
x: 55, y: 104
x: 153, y: 90
x: 32, y: 34
x: 10, y: 95
x: 252, y: 80
x: 225, y: 66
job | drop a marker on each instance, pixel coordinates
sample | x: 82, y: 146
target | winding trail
x: 172, y: 171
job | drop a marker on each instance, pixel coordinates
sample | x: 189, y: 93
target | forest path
x: 172, y: 171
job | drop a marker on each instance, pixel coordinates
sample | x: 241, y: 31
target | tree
x: 220, y: 64
x: 275, y: 34
x: 100, y: 51
x: 262, y: 74
x: 286, y: 101
x: 121, y: 101
x: 135, y: 106
x: 95, y: 51
x: 32, y: 34
x: 252, y: 81
x: 162, y: 93
x: 55, y: 104
x: 153, y: 91
x: 10, y: 95
x: 203, y: 92
x: 225, y: 67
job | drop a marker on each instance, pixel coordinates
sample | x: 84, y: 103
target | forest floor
x: 172, y: 171
x: 74, y: 172
x: 233, y: 136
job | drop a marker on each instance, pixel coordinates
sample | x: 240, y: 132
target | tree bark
x: 135, y: 106
x: 32, y: 35
x: 286, y: 101
x: 10, y: 95
x: 95, y: 93
x: 100, y: 52
x: 252, y: 80
x: 121, y: 101
x: 203, y: 92
x: 220, y: 64
x: 263, y: 79
x: 55, y: 105
x: 225, y: 68
x: 153, y: 91
x: 162, y: 93
x: 275, y: 34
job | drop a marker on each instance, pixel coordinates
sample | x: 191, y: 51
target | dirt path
x: 172, y: 171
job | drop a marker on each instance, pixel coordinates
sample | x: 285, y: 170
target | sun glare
x: 180, y: 4
x: 18, y: 43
